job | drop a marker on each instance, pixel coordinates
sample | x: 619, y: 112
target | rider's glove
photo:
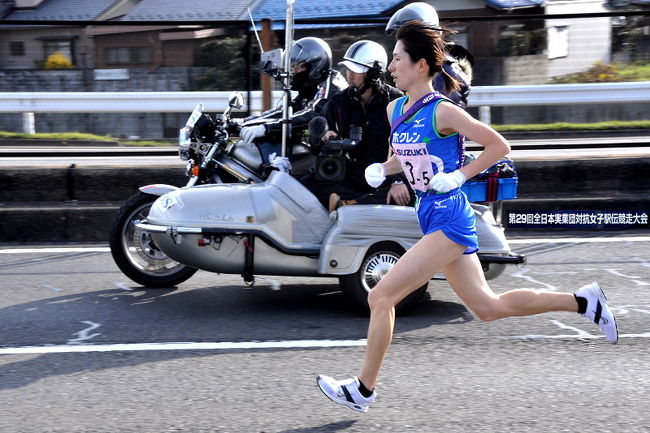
x: 281, y: 163
x: 249, y: 133
x: 375, y: 174
x: 445, y: 182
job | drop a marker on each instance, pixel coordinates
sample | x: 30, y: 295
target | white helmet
x: 363, y: 55
x: 418, y: 11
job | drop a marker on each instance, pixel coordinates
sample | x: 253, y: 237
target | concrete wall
x: 589, y: 39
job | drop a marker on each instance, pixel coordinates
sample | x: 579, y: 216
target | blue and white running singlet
x: 423, y: 152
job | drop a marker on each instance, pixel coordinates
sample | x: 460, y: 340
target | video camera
x: 331, y: 162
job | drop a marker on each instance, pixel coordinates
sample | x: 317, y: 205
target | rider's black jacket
x: 343, y: 110
x: 309, y: 103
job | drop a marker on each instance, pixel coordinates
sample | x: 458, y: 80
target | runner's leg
x: 427, y: 257
x: 466, y: 277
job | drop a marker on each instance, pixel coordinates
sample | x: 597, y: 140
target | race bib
x: 417, y: 164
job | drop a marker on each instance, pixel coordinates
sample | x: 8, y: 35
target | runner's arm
x: 450, y: 119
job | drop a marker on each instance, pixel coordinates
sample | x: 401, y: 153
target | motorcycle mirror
x: 271, y: 62
x: 318, y: 127
x: 236, y: 100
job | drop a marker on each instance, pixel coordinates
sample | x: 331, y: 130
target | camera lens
x: 330, y: 168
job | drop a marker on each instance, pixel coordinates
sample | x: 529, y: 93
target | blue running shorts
x: 451, y: 213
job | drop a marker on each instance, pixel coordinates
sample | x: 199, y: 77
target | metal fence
x: 484, y: 97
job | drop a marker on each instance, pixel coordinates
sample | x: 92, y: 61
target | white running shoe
x: 345, y: 392
x: 598, y: 311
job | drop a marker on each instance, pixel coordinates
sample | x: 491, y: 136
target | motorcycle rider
x: 314, y: 80
x: 363, y: 103
x: 458, y: 61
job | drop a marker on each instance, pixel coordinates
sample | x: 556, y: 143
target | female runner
x: 427, y: 140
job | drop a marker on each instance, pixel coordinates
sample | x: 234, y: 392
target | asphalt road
x: 76, y: 352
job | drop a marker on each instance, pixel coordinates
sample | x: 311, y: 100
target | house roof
x: 514, y: 4
x: 230, y: 10
x: 175, y: 10
x: 63, y: 10
x: 277, y: 9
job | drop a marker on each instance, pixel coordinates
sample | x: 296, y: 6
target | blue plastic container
x: 477, y: 191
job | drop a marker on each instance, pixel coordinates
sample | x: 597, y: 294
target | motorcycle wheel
x: 379, y: 259
x: 135, y: 252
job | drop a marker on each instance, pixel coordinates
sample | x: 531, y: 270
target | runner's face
x: 402, y: 68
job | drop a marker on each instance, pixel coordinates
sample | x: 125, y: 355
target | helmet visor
x: 354, y: 67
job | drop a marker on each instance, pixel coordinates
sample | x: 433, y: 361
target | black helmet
x: 316, y: 56
x: 415, y: 11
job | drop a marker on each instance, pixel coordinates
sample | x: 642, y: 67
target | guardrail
x: 483, y: 97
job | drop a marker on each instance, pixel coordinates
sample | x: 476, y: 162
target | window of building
x: 17, y: 48
x: 558, y: 42
x: 461, y: 37
x: 64, y: 47
x: 128, y: 55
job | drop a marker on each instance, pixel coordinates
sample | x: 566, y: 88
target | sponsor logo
x: 167, y: 201
x: 428, y: 98
x: 406, y: 137
x: 439, y: 204
x: 418, y: 123
x: 411, y: 152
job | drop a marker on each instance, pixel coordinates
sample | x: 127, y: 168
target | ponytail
x: 422, y: 42
x: 451, y: 84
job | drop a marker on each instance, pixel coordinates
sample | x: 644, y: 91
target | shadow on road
x: 207, y: 314
x: 329, y: 427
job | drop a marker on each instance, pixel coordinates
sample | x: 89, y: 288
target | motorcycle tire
x: 379, y: 259
x: 135, y: 252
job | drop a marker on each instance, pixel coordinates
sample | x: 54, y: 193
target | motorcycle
x: 211, y: 158
x: 269, y: 224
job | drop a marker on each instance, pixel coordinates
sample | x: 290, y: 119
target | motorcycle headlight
x: 183, y: 144
x: 184, y: 152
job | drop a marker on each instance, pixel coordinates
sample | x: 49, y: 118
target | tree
x: 227, y: 61
x: 58, y: 60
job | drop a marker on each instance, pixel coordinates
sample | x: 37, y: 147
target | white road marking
x: 83, y: 334
x: 49, y: 286
x: 634, y: 278
x: 580, y: 240
x: 520, y: 274
x: 274, y: 284
x: 625, y: 309
x: 252, y: 345
x: 55, y: 250
x: 296, y: 344
x: 122, y: 286
x: 642, y: 262
x: 578, y: 331
x: 565, y: 337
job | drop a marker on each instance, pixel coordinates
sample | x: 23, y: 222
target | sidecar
x: 278, y: 227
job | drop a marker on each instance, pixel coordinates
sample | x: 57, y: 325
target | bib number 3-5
x: 417, y: 164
